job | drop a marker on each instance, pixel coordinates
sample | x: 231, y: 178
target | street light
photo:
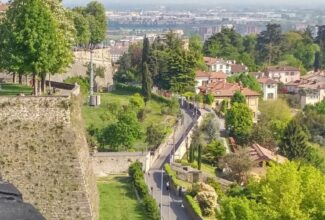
x: 161, y: 192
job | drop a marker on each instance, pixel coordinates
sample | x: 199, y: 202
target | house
x: 310, y: 89
x: 203, y: 78
x: 261, y: 156
x: 238, y: 68
x: 225, y: 91
x: 269, y: 87
x: 283, y: 74
x: 311, y: 94
x: 3, y: 8
x: 218, y: 65
x: 226, y: 66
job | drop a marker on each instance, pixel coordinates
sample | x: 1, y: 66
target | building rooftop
x: 238, y: 68
x: 266, y: 80
x: 259, y: 153
x: 282, y: 68
x: 224, y: 89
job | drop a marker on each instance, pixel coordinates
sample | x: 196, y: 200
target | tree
x: 121, y: 134
x: 146, y: 83
x: 275, y: 115
x: 237, y: 164
x: 239, y: 121
x: 234, y: 208
x: 268, y: 44
x: 207, y: 199
x: 238, y: 97
x: 294, y: 143
x: 196, y: 48
x: 210, y: 127
x: 137, y: 102
x: 155, y: 135
x: 246, y: 81
x: 208, y: 99
x: 33, y: 39
x: 320, y: 40
x: 227, y: 44
x: 199, y: 156
x: 212, y: 152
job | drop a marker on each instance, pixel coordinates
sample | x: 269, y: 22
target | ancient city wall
x: 43, y: 151
x: 101, y: 57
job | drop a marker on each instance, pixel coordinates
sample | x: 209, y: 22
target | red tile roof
x: 266, y: 80
x: 258, y: 153
x: 238, y: 68
x: 210, y: 60
x: 3, y: 7
x: 211, y: 75
x: 223, y: 89
x: 200, y: 73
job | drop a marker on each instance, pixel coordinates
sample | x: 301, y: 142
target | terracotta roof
x: 282, y: 68
x: 223, y: 89
x: 211, y: 75
x: 210, y: 60
x: 266, y: 80
x: 218, y: 75
x: 238, y: 68
x: 3, y: 7
x: 257, y: 152
x: 201, y: 73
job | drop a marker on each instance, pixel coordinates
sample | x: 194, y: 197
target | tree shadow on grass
x: 130, y: 193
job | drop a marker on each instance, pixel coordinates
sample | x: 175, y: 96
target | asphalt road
x: 171, y: 204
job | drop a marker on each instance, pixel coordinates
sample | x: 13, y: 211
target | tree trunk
x: 20, y: 78
x: 34, y: 84
x: 26, y: 80
x: 43, y: 83
x: 13, y: 77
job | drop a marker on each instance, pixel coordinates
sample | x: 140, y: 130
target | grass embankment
x: 101, y: 117
x: 14, y: 89
x: 118, y: 200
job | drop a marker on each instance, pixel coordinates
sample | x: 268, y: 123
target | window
x: 221, y: 66
x: 270, y: 96
x: 270, y: 86
x: 292, y: 73
x: 287, y: 73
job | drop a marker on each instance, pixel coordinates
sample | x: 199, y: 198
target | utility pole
x: 161, y: 192
x: 91, y: 92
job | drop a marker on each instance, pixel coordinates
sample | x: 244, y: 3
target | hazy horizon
x: 278, y: 3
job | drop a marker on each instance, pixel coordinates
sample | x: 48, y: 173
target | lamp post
x: 161, y: 192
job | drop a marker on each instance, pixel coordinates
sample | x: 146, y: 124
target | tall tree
x: 34, y: 39
x: 146, y: 83
x: 294, y: 143
x: 268, y: 44
x: 199, y: 156
x: 320, y: 39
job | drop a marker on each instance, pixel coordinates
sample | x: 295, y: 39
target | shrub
x: 207, y: 199
x: 194, y: 205
x: 137, y: 178
x: 216, y: 186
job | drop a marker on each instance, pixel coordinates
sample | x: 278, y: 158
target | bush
x: 216, y: 186
x: 194, y: 205
x: 172, y: 174
x: 137, y: 178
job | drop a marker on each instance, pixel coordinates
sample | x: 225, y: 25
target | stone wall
x: 117, y: 162
x: 101, y: 57
x: 44, y: 153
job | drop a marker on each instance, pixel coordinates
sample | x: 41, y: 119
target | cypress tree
x: 317, y: 64
x: 146, y: 83
x: 199, y: 156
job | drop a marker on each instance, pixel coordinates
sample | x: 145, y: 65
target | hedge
x: 194, y: 205
x: 137, y: 89
x: 172, y: 174
x: 149, y: 203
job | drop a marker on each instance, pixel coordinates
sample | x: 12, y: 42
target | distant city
x: 205, y: 21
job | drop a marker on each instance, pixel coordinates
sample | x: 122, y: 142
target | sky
x: 238, y: 2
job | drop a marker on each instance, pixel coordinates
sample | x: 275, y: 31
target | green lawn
x: 101, y: 116
x: 118, y: 200
x: 14, y: 89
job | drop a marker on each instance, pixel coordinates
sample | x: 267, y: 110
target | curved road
x: 171, y: 204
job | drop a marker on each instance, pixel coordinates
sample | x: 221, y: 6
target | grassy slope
x: 101, y: 117
x: 14, y: 89
x: 118, y: 200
